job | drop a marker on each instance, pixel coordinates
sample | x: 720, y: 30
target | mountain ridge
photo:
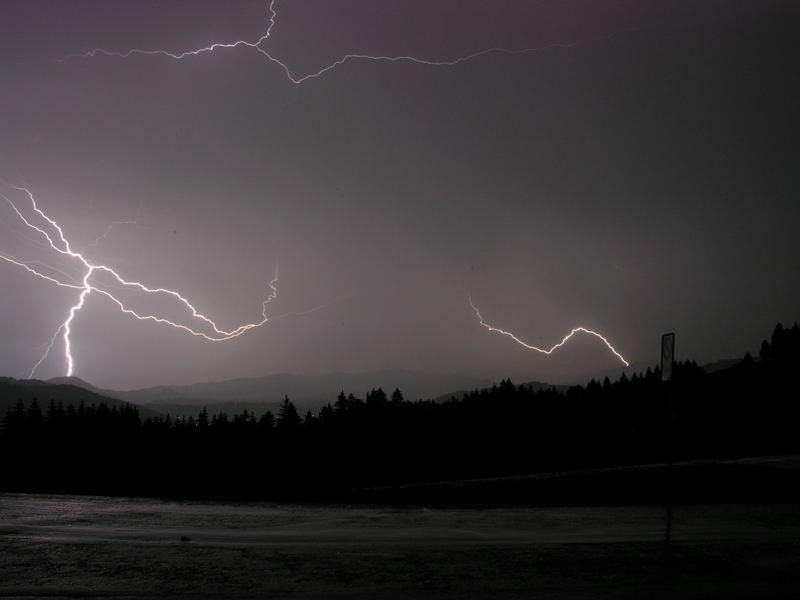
x: 308, y: 392
x: 65, y: 390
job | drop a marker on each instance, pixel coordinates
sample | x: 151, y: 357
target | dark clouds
x: 636, y: 184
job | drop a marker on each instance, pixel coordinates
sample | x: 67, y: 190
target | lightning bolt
x: 53, y: 236
x: 258, y: 46
x: 556, y: 346
x: 111, y: 226
x: 88, y: 284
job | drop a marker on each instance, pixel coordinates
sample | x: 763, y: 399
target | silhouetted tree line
x: 384, y: 440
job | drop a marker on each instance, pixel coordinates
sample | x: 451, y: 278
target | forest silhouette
x: 385, y: 442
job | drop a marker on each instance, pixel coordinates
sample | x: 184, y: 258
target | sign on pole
x: 667, y: 355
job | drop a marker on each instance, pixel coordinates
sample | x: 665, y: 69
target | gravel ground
x: 74, y: 547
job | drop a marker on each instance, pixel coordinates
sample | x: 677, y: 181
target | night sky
x: 636, y: 175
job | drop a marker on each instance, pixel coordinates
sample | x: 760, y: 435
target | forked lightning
x: 556, y: 346
x: 53, y: 235
x: 259, y: 44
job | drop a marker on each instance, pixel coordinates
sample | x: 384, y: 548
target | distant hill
x: 534, y: 385
x: 613, y: 373
x: 12, y: 390
x: 78, y: 382
x: 311, y: 392
x: 258, y: 394
x: 721, y: 365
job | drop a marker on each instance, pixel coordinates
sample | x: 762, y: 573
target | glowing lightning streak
x: 257, y: 46
x: 217, y: 45
x: 220, y: 334
x: 557, y: 346
x: 72, y: 312
x: 111, y: 226
x: 61, y: 245
x: 31, y: 270
x: 46, y: 352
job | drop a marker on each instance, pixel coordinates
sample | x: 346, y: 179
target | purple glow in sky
x: 627, y: 167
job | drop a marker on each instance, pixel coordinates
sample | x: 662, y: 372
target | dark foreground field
x: 101, y: 547
x: 762, y: 479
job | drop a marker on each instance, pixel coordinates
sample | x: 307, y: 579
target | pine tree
x: 267, y: 421
x: 202, y: 418
x: 765, y: 353
x: 779, y: 342
x: 288, y: 417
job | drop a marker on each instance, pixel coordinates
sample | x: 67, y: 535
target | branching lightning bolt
x: 258, y: 46
x: 54, y: 237
x: 111, y: 226
x: 214, y: 333
x: 556, y: 346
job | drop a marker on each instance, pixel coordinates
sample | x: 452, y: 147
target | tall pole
x: 667, y: 359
